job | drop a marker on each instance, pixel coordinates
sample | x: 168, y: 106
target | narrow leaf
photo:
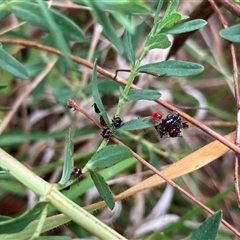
x: 96, y: 95
x: 157, y: 12
x: 231, y: 34
x: 107, y: 157
x: 15, y: 225
x: 108, y: 28
x: 136, y: 124
x: 2, y: 86
x: 125, y: 7
x: 186, y: 27
x: 31, y: 13
x: 68, y: 163
x: 128, y: 47
x: 124, y: 21
x: 157, y: 41
x: 169, y: 21
x: 11, y: 65
x: 208, y: 230
x: 4, y: 13
x: 103, y: 189
x: 55, y: 31
x: 173, y: 68
x: 173, y: 5
x: 135, y: 95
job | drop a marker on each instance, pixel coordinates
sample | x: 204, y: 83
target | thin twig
x: 123, y: 81
x: 72, y: 104
x: 172, y: 183
x: 237, y: 97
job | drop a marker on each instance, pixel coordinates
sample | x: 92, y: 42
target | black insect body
x: 161, y: 130
x: 106, y: 133
x: 77, y: 172
x: 184, y: 125
x: 96, y: 109
x: 171, y: 126
x: 117, y: 122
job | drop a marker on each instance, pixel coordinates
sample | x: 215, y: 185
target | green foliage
x: 107, y: 157
x: 136, y: 124
x: 96, y: 95
x: 68, y: 160
x: 11, y: 65
x: 15, y: 225
x: 186, y: 27
x: 231, y: 34
x: 157, y: 41
x: 135, y: 95
x: 173, y: 68
x: 108, y: 28
x: 124, y: 24
x: 103, y: 188
x: 128, y: 47
x: 208, y: 230
x: 42, y: 17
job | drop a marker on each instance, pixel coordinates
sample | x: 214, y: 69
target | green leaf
x: 157, y: 41
x: 68, y: 163
x: 208, y: 230
x: 2, y: 86
x: 186, y: 27
x: 53, y: 238
x: 4, y: 14
x: 124, y: 21
x: 135, y: 95
x: 16, y: 137
x: 62, y: 95
x: 136, y: 124
x: 15, y: 225
x: 173, y: 5
x: 125, y: 7
x: 31, y: 13
x: 107, y: 157
x: 55, y: 32
x: 231, y: 34
x: 108, y: 28
x: 11, y: 65
x: 173, y: 68
x: 103, y: 189
x: 96, y: 95
x: 4, y: 109
x: 157, y: 12
x: 128, y: 47
x: 169, y: 21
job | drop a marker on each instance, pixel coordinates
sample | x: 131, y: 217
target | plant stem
x: 62, y: 203
x: 131, y: 78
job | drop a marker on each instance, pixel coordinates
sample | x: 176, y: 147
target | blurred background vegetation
x: 35, y: 134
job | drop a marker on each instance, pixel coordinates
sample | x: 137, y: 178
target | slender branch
x: 124, y: 82
x: 237, y: 97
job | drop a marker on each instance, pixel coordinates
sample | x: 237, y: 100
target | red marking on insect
x: 174, y: 133
x: 156, y: 116
x: 171, y: 125
x: 102, y: 121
